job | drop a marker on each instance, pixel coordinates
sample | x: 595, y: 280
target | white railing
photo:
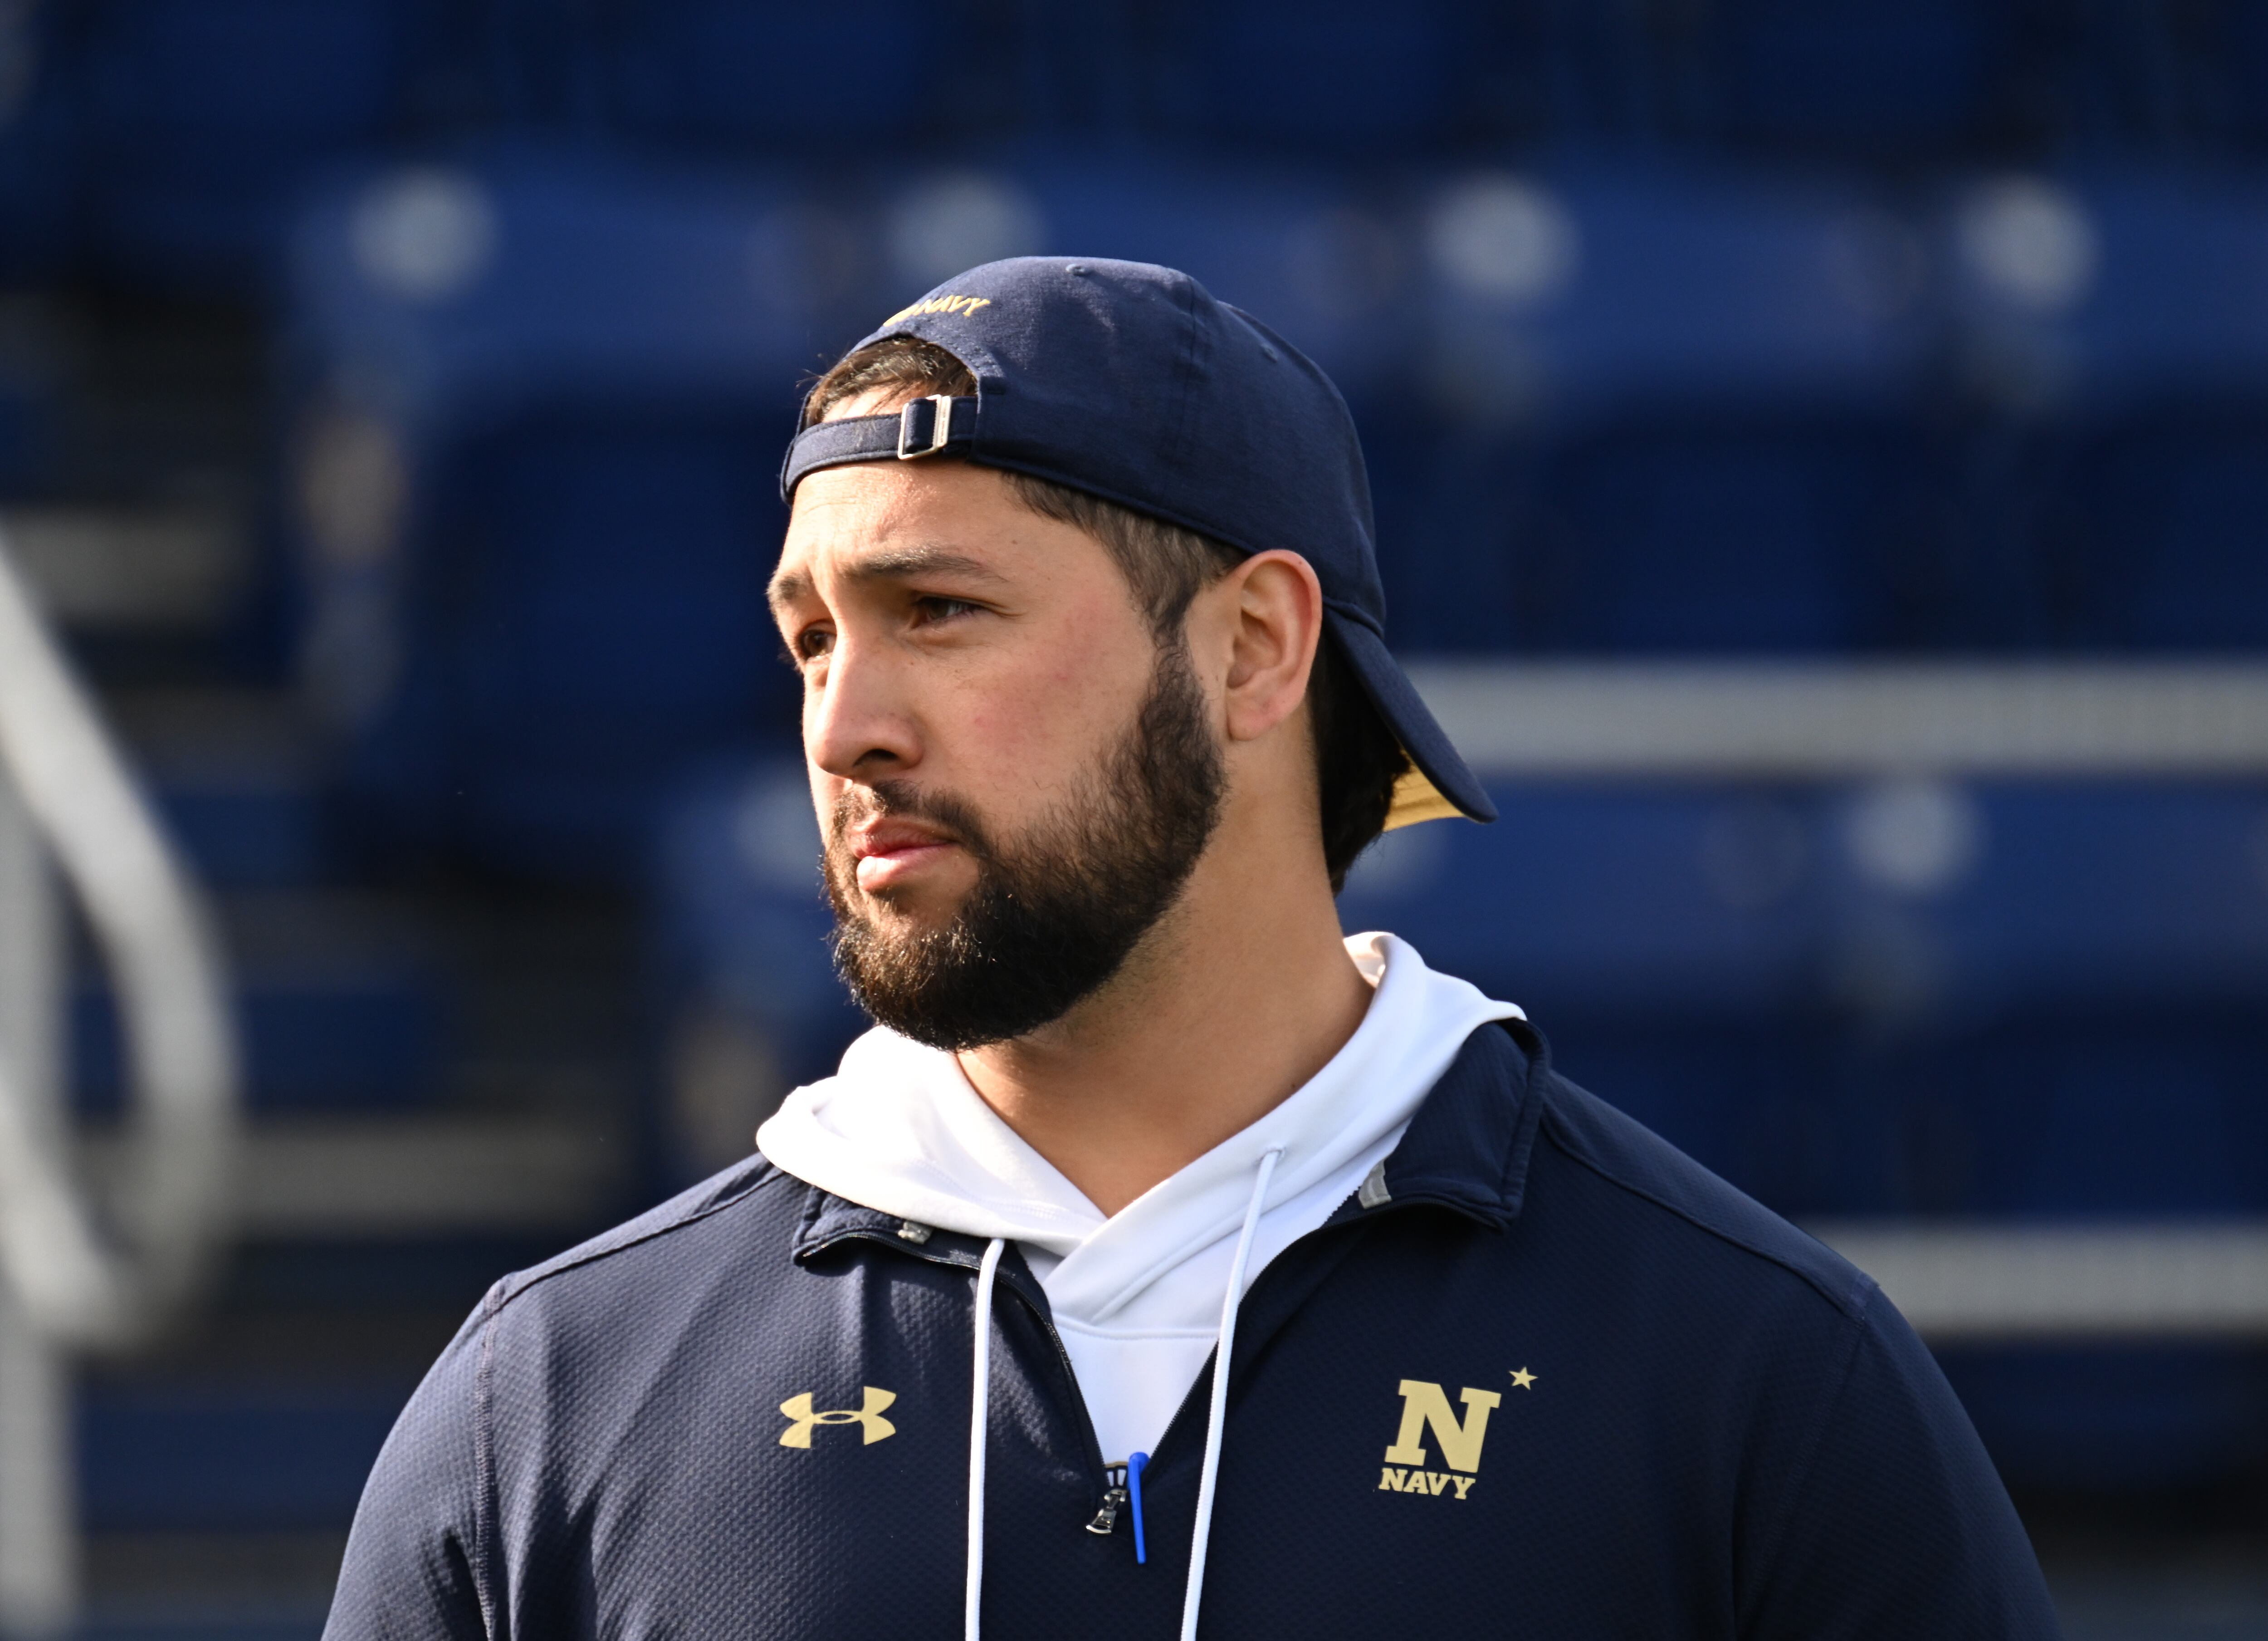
x: 1835, y: 720
x: 82, y: 1269
x: 1974, y: 1283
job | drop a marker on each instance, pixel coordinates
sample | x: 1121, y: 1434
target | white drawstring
x: 1218, y: 1414
x: 980, y: 1404
x: 980, y: 1408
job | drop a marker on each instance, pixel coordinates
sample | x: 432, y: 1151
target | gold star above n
x: 1523, y: 1378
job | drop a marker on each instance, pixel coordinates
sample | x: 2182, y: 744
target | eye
x: 808, y: 647
x: 932, y: 609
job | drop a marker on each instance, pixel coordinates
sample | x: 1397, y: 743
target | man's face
x: 1013, y: 778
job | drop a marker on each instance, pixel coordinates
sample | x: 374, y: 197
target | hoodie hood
x: 1142, y: 1297
x: 898, y: 1129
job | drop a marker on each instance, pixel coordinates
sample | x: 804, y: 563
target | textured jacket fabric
x: 1554, y: 1380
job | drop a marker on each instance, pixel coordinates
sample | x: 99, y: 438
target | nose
x: 858, y: 724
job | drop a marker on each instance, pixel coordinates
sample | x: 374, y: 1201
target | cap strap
x: 936, y: 425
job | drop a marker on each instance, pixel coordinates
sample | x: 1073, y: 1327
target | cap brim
x: 1447, y: 786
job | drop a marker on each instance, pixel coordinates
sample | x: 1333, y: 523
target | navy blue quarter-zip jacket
x: 1554, y: 1381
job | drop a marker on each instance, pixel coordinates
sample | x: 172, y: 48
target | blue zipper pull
x: 1134, y: 1463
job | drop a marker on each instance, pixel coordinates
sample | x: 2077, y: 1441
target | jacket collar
x: 829, y: 1220
x: 1467, y: 1149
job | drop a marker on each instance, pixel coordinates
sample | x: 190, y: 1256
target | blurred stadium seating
x: 1679, y: 411
x: 391, y: 394
x: 710, y: 75
x: 200, y: 118
x: 560, y: 379
x: 2108, y: 323
x: 1897, y: 80
x: 748, y: 1004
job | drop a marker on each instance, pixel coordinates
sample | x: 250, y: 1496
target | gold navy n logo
x: 869, y: 1414
x: 1426, y: 1406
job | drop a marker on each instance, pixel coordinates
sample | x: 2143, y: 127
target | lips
x: 890, y: 851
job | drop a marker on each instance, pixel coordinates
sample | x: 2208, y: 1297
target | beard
x: 1055, y: 913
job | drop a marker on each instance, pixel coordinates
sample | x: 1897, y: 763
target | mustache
x: 901, y: 800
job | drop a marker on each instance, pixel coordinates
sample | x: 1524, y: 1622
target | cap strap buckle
x: 915, y: 440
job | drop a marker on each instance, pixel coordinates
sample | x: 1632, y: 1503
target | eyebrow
x: 892, y: 564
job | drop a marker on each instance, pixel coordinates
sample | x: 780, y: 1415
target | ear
x: 1274, y: 607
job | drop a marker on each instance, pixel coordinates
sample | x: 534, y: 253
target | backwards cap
x: 1130, y: 382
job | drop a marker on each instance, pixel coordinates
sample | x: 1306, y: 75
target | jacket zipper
x: 1113, y: 1475
x: 1114, y: 1500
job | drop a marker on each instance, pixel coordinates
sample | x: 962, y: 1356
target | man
x: 1162, y: 1262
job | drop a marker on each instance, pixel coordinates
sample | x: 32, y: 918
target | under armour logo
x: 801, y: 1417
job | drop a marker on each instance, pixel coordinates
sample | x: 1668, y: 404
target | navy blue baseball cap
x: 1130, y: 382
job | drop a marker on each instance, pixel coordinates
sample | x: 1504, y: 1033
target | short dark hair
x: 1358, y: 760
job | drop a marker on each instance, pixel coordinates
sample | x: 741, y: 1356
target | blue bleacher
x: 758, y: 74
x: 1681, y: 537
x: 1367, y: 83
x: 1654, y: 897
x: 29, y: 417
x: 599, y: 621
x: 2073, y: 1111
x: 2151, y: 536
x: 2028, y: 1000
x: 2063, y: 1006
x: 1891, y: 78
x: 217, y: 1458
x: 39, y: 133
x: 204, y: 116
x: 1345, y: 76
x: 2110, y: 320
x: 732, y: 78
x: 249, y: 828
x: 2213, y: 69
x: 339, y: 1007
x: 2119, y: 898
x: 588, y: 406
x: 1679, y: 413
x: 40, y: 129
x: 736, y: 883
x: 366, y: 1039
x: 335, y: 1013
x: 202, y: 1444
x: 738, y: 941
x: 2135, y: 1418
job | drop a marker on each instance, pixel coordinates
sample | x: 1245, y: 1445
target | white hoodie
x: 1136, y: 1296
